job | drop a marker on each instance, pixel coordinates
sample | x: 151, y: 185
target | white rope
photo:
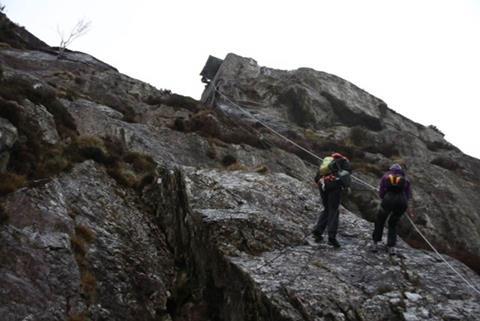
x: 365, y: 183
x: 356, y: 178
x: 266, y: 126
x: 442, y: 258
x: 246, y: 112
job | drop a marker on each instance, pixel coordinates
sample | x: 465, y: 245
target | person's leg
x: 392, y: 229
x: 323, y: 218
x: 321, y: 224
x: 392, y: 224
x: 333, y: 204
x: 380, y: 223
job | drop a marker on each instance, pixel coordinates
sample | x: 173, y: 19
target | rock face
x: 81, y: 249
x: 325, y: 113
x: 8, y: 136
x: 18, y: 37
x: 218, y: 228
x: 260, y: 223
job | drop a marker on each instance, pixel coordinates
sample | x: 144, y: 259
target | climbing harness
x: 246, y: 112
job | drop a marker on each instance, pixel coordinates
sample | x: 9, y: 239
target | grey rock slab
x: 81, y: 247
x: 39, y: 118
x: 324, y: 112
x: 8, y: 135
x: 317, y: 280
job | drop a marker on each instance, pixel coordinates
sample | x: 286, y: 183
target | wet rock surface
x: 79, y: 246
x: 262, y: 223
x: 325, y: 113
x: 8, y: 136
x: 219, y: 229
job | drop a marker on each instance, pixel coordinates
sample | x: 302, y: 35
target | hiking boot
x: 375, y: 247
x: 391, y: 251
x: 318, y: 237
x: 334, y: 243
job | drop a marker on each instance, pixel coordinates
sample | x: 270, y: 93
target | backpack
x: 325, y: 167
x: 395, y: 183
x: 338, y: 169
x: 345, y: 178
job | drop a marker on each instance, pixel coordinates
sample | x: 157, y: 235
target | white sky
x: 422, y: 57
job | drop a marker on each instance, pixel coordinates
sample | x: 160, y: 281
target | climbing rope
x: 442, y: 258
x: 266, y: 126
x: 246, y: 112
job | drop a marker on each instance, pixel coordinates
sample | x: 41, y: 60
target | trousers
x: 392, y: 208
x: 328, y: 218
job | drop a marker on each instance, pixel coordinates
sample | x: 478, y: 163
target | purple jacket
x: 383, y: 184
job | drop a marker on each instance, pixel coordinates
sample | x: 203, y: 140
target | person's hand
x: 411, y: 214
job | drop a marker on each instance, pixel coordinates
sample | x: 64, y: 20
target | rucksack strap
x: 394, y: 180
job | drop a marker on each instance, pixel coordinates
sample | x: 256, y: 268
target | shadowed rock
x: 217, y: 226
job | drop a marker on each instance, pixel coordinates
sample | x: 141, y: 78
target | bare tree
x: 80, y: 29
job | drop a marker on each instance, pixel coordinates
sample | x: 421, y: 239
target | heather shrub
x: 140, y: 162
x: 88, y: 147
x: 228, y: 160
x: 4, y: 218
x: 10, y: 182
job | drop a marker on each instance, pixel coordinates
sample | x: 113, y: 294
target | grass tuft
x: 10, y: 182
x: 89, y: 147
x: 123, y: 176
x: 237, y: 166
x: 140, y: 162
x: 85, y: 232
x: 4, y: 217
x: 88, y: 284
x: 79, y: 246
x: 262, y: 169
x: 228, y: 160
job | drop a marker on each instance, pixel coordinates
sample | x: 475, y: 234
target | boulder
x: 39, y: 121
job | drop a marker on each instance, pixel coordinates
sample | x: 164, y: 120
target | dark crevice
x: 207, y: 285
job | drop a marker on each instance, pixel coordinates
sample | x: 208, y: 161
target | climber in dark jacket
x: 395, y: 192
x: 331, y: 187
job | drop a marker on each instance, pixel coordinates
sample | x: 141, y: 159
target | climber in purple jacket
x: 395, y: 192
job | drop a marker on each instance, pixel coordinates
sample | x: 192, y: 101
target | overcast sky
x: 422, y: 57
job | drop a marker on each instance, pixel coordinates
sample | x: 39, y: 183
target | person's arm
x: 408, y: 190
x: 317, y: 177
x: 383, y: 187
x: 348, y: 166
x: 411, y: 213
